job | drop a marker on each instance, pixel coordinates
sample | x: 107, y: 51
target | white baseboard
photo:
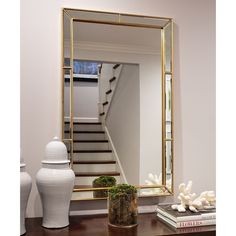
x: 116, y: 155
x: 141, y: 209
x: 82, y: 119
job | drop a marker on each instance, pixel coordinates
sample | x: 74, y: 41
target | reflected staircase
x: 93, y: 157
x: 92, y: 152
x: 110, y: 91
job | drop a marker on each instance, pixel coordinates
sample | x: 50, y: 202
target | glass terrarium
x: 122, y: 206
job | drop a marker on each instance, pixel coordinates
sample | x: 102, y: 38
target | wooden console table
x: 96, y: 225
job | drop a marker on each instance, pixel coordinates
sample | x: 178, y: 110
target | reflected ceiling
x: 116, y: 35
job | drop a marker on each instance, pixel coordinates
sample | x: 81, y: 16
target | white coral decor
x: 206, y: 200
x: 154, y: 179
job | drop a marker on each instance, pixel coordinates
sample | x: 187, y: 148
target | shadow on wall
x: 38, y: 211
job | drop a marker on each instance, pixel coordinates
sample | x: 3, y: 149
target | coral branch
x: 206, y: 200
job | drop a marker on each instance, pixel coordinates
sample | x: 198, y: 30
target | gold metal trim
x: 67, y: 14
x: 172, y: 106
x: 117, y: 23
x: 70, y: 143
x: 107, y: 188
x: 72, y: 91
x: 163, y: 108
x: 166, y: 24
x: 105, y: 199
x: 168, y: 139
x: 62, y: 75
x: 76, y: 190
x: 118, y: 13
x: 166, y: 192
x: 67, y: 139
x: 169, y: 191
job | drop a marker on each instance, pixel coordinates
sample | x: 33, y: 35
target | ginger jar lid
x: 55, y: 152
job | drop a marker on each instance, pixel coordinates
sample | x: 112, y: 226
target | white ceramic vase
x: 55, y: 182
x: 25, y: 188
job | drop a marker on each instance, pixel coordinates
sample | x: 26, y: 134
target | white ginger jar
x: 55, y: 183
x: 25, y: 188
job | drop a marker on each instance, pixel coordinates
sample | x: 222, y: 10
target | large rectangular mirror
x: 117, y: 101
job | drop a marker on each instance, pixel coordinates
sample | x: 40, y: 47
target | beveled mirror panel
x: 117, y: 101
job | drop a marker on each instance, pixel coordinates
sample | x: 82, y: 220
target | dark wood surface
x: 148, y: 225
x: 112, y: 79
x: 91, y: 151
x: 78, y: 79
x: 88, y: 174
x: 98, y: 162
x: 91, y: 141
x: 85, y: 132
x: 115, y: 66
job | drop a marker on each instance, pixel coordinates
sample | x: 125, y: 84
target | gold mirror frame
x: 169, y: 22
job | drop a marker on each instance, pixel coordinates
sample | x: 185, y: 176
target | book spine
x: 194, y: 223
x: 210, y: 216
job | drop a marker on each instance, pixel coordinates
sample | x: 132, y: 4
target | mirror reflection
x: 114, y: 123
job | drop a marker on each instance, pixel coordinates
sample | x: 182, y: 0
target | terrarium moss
x: 123, y: 205
x: 103, y: 181
x: 122, y: 189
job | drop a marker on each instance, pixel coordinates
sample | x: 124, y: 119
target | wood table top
x: 97, y: 225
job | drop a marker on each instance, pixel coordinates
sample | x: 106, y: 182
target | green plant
x: 123, y: 205
x: 122, y: 190
x: 103, y: 181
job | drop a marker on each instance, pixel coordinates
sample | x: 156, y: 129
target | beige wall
x: 194, y: 70
x: 123, y: 122
x: 85, y: 101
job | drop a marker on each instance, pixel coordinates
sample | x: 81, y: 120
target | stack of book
x: 185, y: 219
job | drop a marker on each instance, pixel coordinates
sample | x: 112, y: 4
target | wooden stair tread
x: 112, y: 79
x: 116, y: 66
x: 91, y: 151
x: 88, y: 174
x: 81, y: 79
x: 94, y: 162
x: 105, y: 103
x: 109, y: 91
x: 86, y: 132
x: 83, y: 123
x: 91, y: 141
